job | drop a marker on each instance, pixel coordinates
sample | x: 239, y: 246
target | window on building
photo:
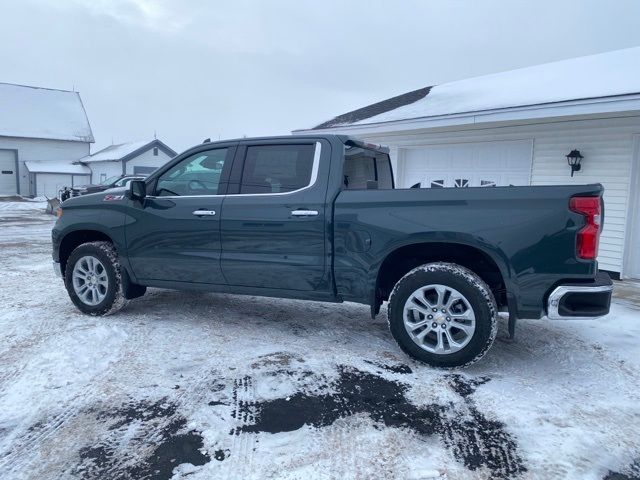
x: 103, y: 177
x: 155, y: 151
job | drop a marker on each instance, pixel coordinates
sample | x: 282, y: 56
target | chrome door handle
x: 204, y: 213
x: 304, y: 213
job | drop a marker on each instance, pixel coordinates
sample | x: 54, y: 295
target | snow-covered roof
x: 35, y: 112
x: 591, y: 77
x: 123, y: 151
x: 50, y: 166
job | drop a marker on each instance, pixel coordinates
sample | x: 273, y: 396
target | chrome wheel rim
x: 90, y: 280
x: 439, y: 319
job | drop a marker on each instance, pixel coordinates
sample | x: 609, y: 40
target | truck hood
x: 89, y: 186
x: 94, y: 198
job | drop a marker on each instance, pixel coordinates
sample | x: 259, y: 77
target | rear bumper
x: 581, y: 301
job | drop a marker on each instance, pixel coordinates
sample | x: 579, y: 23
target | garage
x: 483, y: 164
x: 8, y: 173
x: 46, y: 179
x: 503, y: 129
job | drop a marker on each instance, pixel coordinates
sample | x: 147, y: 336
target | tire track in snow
x: 476, y: 441
x: 18, y: 455
x: 243, y: 444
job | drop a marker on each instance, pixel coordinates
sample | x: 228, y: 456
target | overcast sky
x: 191, y: 69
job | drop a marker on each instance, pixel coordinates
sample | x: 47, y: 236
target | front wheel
x: 93, y: 279
x: 443, y: 314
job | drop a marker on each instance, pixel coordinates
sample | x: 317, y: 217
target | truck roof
x: 346, y: 139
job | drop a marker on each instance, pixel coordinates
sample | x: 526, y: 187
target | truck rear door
x: 274, y: 225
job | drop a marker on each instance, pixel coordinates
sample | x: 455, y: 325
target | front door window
x: 198, y: 174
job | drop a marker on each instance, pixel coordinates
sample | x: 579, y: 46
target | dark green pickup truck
x: 318, y: 218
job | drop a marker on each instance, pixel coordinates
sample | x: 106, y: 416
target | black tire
x: 114, y: 299
x: 475, y: 291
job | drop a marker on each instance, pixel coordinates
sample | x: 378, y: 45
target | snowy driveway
x: 219, y: 386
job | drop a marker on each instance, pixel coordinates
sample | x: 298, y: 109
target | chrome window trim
x: 314, y: 177
x: 184, y: 196
x: 553, y: 304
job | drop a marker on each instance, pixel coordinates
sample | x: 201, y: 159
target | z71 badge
x: 111, y: 198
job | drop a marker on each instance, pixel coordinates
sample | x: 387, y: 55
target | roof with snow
x: 56, y: 167
x: 595, y: 76
x: 125, y: 151
x: 34, y: 112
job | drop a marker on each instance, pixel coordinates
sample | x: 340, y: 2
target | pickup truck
x: 319, y: 218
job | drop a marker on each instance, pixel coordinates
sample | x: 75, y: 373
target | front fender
x: 107, y: 221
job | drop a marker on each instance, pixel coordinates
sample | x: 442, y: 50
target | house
x: 46, y: 129
x: 517, y: 128
x: 136, y: 157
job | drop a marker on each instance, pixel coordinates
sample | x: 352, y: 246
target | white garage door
x: 485, y: 164
x: 48, y: 184
x: 8, y: 173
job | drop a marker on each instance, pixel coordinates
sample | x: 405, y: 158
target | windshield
x: 109, y: 180
x: 123, y: 182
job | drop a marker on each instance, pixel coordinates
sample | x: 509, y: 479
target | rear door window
x: 277, y: 168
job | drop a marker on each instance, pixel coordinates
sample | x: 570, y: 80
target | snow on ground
x: 200, y: 386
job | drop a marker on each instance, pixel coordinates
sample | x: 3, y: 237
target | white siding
x: 109, y: 169
x: 147, y: 159
x: 38, y: 149
x: 606, y: 144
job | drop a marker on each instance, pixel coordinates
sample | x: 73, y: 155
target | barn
x: 47, y: 129
x: 523, y: 127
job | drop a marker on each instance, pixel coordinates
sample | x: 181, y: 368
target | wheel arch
x: 73, y: 239
x: 489, y: 265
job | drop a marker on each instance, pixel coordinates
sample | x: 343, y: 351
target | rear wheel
x: 93, y: 279
x: 443, y: 314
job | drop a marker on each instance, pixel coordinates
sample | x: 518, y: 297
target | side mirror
x: 138, y: 189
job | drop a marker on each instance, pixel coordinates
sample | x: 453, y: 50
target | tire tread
x: 108, y: 250
x: 469, y: 276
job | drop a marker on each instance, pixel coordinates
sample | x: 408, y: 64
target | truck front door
x: 274, y: 223
x: 174, y: 233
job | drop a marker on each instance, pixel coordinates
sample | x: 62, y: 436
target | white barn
x: 46, y: 129
x: 136, y: 157
x: 516, y: 128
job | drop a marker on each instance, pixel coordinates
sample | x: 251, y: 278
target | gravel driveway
x: 207, y: 386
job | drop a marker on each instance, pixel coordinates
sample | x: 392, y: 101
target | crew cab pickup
x: 319, y: 218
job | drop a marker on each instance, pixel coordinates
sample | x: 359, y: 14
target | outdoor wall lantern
x: 574, y: 158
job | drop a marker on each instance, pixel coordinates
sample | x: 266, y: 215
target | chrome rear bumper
x: 580, y: 302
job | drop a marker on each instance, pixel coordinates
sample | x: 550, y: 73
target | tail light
x: 589, y: 235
